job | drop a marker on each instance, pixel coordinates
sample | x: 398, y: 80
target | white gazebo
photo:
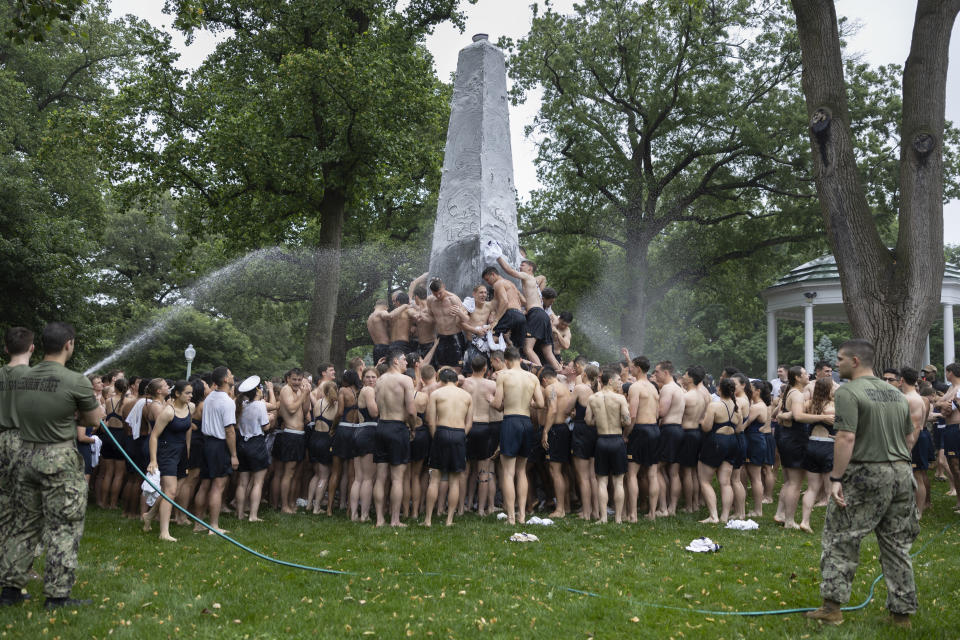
x: 817, y: 284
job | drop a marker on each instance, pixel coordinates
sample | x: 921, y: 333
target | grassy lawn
x: 204, y: 587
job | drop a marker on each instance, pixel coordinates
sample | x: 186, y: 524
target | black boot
x: 54, y: 603
x: 12, y: 595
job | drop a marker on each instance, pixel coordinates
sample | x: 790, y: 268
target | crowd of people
x: 467, y: 406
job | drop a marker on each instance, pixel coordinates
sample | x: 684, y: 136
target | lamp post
x: 189, y: 353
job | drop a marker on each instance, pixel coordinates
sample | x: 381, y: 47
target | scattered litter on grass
x: 742, y: 525
x: 703, y: 545
x: 524, y: 537
x: 536, y: 520
x: 501, y: 516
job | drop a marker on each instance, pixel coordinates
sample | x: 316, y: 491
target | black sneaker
x: 12, y: 595
x: 55, y: 603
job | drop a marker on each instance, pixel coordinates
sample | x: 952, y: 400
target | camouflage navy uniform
x: 9, y: 447
x: 880, y: 494
x: 51, y: 493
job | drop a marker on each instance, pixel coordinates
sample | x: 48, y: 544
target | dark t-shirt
x: 47, y: 398
x: 8, y: 379
x: 879, y: 416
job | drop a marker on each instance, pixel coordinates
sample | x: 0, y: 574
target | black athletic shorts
x: 689, y: 453
x: 494, y: 441
x: 771, y: 448
x: 420, y: 446
x: 643, y: 445
x: 448, y: 452
x: 671, y: 437
x: 514, y: 323
x: 938, y: 435
x: 195, y: 460
x: 365, y: 440
x: 478, y: 441
x: 401, y: 345
x: 169, y: 454
x: 818, y: 457
x: 86, y: 452
x: 717, y: 448
x: 449, y: 351
x: 756, y: 448
x: 342, y: 444
x: 558, y: 443
x: 583, y: 440
x: 921, y: 451
x: 392, y: 442
x: 108, y: 450
x: 740, y: 452
x: 537, y: 453
x: 951, y: 440
x: 252, y: 454
x: 792, y: 444
x: 423, y: 348
x: 539, y: 327
x: 291, y: 447
x: 319, y: 447
x: 610, y: 458
x: 216, y: 455
x: 380, y: 351
x: 516, y: 436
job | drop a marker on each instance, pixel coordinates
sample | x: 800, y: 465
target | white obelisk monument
x: 477, y: 196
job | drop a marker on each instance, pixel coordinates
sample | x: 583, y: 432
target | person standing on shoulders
x: 871, y: 487
x: 50, y: 401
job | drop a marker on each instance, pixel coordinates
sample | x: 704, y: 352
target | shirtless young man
x: 395, y: 403
x: 508, y: 312
x: 420, y: 445
x: 694, y: 407
x: 951, y: 433
x: 643, y: 437
x: 426, y: 329
x: 379, y: 329
x: 450, y: 416
x: 672, y: 405
x: 609, y: 412
x: 292, y: 444
x: 515, y: 390
x: 920, y: 442
x: 822, y: 369
x: 450, y: 317
x: 479, y: 452
x: 479, y: 317
x: 538, y: 342
x: 556, y: 436
x: 401, y: 323
x: 561, y: 333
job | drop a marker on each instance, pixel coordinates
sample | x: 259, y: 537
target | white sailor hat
x: 249, y: 384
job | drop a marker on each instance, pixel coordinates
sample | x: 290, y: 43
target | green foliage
x: 36, y: 19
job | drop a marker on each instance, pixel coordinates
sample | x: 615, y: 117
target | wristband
x: 832, y: 479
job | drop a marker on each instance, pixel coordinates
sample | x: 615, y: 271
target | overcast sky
x: 884, y: 37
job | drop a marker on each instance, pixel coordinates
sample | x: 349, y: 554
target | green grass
x: 204, y: 587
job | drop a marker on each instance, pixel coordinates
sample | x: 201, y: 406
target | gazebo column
x: 926, y: 352
x: 771, y: 345
x: 808, y: 336
x: 949, y: 355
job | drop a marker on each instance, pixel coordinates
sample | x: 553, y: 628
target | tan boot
x: 828, y: 613
x: 901, y: 620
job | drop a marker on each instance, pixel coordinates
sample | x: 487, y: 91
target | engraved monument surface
x: 477, y: 200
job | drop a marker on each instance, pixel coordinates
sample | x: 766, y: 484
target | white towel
x: 524, y: 537
x: 469, y: 304
x: 133, y: 418
x: 541, y: 521
x: 95, y: 451
x: 742, y: 525
x: 495, y: 345
x: 149, y: 493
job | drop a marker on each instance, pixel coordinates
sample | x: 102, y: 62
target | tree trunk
x: 338, y: 346
x: 633, y: 318
x: 890, y: 296
x: 323, y: 309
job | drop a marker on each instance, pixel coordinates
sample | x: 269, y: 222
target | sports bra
x: 754, y: 427
x: 178, y: 425
x: 320, y: 417
x: 113, y: 414
x: 727, y: 423
x: 365, y: 414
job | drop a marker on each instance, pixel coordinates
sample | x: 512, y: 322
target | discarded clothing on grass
x: 742, y: 525
x: 703, y: 545
x: 536, y: 520
x: 524, y: 537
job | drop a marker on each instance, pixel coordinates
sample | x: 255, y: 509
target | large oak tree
x: 891, y: 295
